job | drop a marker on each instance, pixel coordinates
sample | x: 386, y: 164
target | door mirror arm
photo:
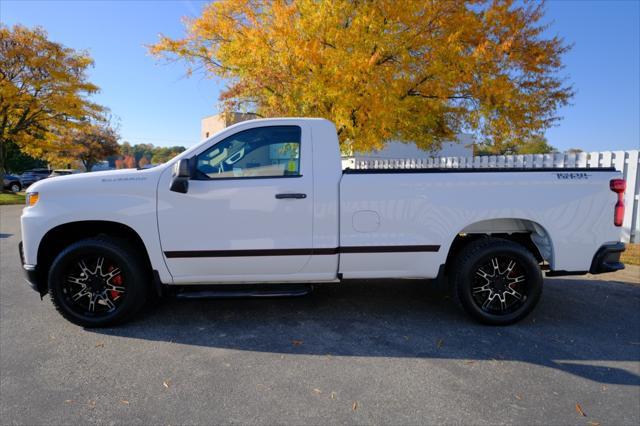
x: 181, y: 173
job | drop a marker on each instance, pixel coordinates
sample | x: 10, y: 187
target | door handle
x: 297, y: 196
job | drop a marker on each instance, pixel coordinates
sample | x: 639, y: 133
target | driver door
x: 247, y: 215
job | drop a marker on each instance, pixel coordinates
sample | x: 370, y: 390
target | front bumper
x: 607, y: 258
x: 30, y: 271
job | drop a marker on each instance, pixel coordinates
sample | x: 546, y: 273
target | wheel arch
x: 526, y: 232
x: 61, y: 236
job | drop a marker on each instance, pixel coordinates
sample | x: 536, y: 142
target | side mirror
x: 180, y: 176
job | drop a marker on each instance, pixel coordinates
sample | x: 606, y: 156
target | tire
x: 496, y: 295
x: 15, y: 187
x: 91, y: 293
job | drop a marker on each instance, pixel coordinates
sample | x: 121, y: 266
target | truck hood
x: 97, y: 182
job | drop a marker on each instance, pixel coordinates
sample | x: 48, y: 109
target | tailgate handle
x: 297, y: 196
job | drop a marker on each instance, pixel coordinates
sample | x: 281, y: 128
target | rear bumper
x: 30, y: 272
x: 606, y: 259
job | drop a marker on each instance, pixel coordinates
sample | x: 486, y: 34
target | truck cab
x: 261, y: 205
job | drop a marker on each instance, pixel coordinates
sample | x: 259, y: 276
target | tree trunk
x: 3, y: 162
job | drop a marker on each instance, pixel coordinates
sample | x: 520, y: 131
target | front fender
x: 127, y: 198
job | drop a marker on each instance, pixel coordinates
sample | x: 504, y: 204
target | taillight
x: 618, y: 186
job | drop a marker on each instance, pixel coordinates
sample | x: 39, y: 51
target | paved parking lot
x: 360, y: 353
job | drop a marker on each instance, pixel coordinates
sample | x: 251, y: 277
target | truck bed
x: 478, y: 170
x: 568, y: 210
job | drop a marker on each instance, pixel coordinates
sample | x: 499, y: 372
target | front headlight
x: 31, y: 198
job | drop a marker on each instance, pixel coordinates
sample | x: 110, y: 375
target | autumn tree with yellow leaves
x: 44, y: 94
x: 90, y: 143
x: 409, y: 70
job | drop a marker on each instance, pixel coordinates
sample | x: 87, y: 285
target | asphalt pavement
x: 385, y: 352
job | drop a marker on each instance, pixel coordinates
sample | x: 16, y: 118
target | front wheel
x: 98, y: 282
x: 497, y: 281
x: 15, y: 187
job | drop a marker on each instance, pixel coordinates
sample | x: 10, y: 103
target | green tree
x: 152, y: 154
x: 17, y: 162
x: 164, y: 154
x: 144, y: 161
x: 142, y: 150
x: 126, y: 148
x: 92, y: 143
x: 535, y: 145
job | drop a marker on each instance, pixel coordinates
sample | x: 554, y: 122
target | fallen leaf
x: 593, y: 423
x: 318, y: 391
x: 166, y: 383
x: 439, y: 343
x: 518, y: 397
x: 469, y: 362
x: 332, y: 395
x: 100, y: 345
x: 604, y: 387
x: 355, y: 405
x: 92, y: 403
x: 296, y: 342
x: 124, y: 401
x: 579, y: 410
x: 69, y: 401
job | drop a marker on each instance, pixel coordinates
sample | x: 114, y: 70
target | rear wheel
x: 98, y: 282
x: 497, y: 281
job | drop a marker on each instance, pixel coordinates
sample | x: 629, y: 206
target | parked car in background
x: 34, y: 175
x: 63, y: 172
x: 12, y: 183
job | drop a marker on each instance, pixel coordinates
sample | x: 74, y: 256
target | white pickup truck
x: 267, y: 202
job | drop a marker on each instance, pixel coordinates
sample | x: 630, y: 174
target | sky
x: 158, y: 104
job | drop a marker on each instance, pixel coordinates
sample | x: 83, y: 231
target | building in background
x: 462, y: 147
x: 212, y: 124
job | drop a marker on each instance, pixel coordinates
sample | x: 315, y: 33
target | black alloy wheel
x: 93, y: 286
x: 98, y: 282
x: 497, y: 281
x: 499, y: 285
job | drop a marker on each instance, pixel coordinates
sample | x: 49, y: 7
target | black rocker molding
x: 301, y: 251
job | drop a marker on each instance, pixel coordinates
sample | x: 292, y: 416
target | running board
x: 242, y: 291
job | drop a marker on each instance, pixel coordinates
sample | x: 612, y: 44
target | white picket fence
x: 624, y: 161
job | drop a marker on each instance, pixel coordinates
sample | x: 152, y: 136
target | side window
x: 261, y: 152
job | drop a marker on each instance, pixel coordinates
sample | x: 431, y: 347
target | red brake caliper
x: 117, y: 281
